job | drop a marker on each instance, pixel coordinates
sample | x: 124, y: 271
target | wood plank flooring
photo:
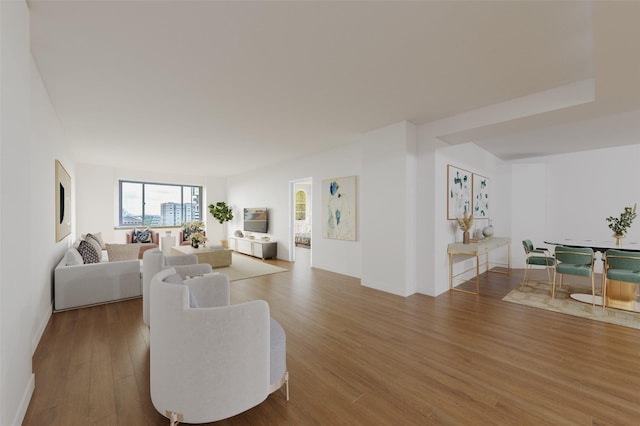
x: 358, y: 356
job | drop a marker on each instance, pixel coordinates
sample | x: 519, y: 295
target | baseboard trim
x: 24, y: 403
x: 40, y: 330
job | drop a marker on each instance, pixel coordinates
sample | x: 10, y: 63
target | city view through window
x: 153, y: 204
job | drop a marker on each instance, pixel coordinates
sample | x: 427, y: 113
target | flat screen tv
x: 256, y: 220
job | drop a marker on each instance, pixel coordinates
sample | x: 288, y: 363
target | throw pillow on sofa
x: 73, y: 257
x: 95, y: 244
x: 96, y: 236
x: 119, y: 252
x: 88, y: 252
x: 141, y: 235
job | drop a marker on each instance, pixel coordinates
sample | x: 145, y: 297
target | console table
x: 476, y: 250
x: 254, y: 247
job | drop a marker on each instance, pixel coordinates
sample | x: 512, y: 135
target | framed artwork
x: 480, y: 197
x: 63, y: 202
x: 458, y: 192
x: 339, y: 199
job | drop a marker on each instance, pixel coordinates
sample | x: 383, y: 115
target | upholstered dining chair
x: 574, y: 261
x: 620, y: 265
x: 537, y: 257
x: 209, y: 359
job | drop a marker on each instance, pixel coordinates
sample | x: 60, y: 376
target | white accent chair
x: 214, y: 361
x: 153, y: 261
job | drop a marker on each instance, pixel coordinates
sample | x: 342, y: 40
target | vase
x: 195, y: 244
x: 465, y: 237
x: 487, y: 231
x: 618, y: 238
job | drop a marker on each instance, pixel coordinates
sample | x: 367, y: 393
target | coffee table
x: 217, y: 258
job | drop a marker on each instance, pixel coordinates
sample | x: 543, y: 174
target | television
x: 256, y: 220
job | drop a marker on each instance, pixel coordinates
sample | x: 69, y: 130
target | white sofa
x: 77, y: 285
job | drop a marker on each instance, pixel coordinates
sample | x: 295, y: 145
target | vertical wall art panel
x: 458, y: 192
x: 339, y: 198
x: 63, y: 202
x: 480, y: 197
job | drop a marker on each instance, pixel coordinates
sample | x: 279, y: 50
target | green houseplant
x: 223, y: 214
x: 620, y: 225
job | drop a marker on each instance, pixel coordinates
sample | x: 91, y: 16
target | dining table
x: 620, y: 294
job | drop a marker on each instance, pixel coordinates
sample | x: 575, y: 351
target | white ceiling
x: 221, y: 88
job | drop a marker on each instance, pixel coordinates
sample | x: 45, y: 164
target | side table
x: 166, y: 242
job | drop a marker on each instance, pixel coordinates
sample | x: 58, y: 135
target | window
x: 301, y: 205
x: 155, y: 204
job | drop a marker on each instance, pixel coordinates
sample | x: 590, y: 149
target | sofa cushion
x: 119, y: 252
x: 73, y: 257
x: 141, y: 235
x: 88, y: 252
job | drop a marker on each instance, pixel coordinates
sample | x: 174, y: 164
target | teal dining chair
x: 537, y: 257
x: 574, y: 261
x: 620, y: 265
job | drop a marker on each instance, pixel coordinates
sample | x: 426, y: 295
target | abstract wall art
x: 480, y: 197
x: 339, y: 201
x: 459, y: 200
x: 63, y: 202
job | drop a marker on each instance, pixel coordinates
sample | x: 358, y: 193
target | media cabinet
x: 255, y: 247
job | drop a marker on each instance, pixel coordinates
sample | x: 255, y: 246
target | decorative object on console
x: 465, y: 223
x: 238, y: 233
x: 223, y: 214
x: 63, y: 202
x: 339, y: 197
x: 458, y: 192
x: 480, y: 197
x: 487, y: 231
x: 620, y: 225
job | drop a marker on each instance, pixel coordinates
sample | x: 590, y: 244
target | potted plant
x: 197, y: 238
x: 620, y: 225
x: 189, y: 228
x: 222, y: 213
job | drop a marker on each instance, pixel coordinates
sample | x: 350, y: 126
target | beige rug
x: 243, y: 267
x: 537, y: 294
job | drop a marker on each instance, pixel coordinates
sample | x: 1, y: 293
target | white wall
x: 16, y: 378
x: 571, y: 195
x: 30, y: 142
x: 97, y: 196
x: 388, y: 219
x: 271, y: 187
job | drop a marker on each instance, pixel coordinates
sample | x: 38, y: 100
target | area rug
x: 243, y: 267
x: 537, y: 294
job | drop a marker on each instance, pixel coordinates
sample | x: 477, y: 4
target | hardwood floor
x: 360, y: 356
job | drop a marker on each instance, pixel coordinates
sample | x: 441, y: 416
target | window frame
x: 144, y: 183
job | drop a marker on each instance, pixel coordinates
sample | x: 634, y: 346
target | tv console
x: 254, y: 247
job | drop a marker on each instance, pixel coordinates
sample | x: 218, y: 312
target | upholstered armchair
x: 210, y: 360
x: 153, y: 261
x: 154, y: 241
